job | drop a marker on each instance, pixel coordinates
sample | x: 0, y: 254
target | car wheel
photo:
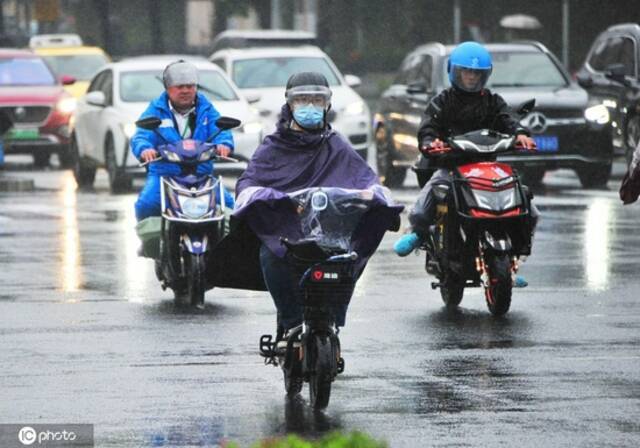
x: 119, y: 182
x: 595, y: 176
x: 84, y: 173
x: 41, y: 159
x: 65, y: 157
x: 389, y: 175
x: 632, y: 137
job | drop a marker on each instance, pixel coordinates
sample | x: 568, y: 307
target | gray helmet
x: 179, y: 73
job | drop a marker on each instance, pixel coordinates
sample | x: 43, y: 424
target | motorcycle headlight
x: 206, y: 155
x: 66, y: 105
x: 597, y: 114
x: 356, y: 108
x: 495, y: 200
x: 194, y: 208
x: 172, y: 156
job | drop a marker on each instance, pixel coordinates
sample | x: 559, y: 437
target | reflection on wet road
x: 88, y: 336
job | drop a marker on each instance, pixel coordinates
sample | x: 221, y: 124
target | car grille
x: 27, y: 114
x: 561, y: 113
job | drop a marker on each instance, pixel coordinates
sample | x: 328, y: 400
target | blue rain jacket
x: 206, y: 116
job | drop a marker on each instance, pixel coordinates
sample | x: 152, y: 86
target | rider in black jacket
x: 464, y: 107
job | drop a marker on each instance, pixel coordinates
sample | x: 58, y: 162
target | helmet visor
x: 469, y: 79
x: 319, y: 96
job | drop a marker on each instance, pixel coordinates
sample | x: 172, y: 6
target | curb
x: 8, y: 184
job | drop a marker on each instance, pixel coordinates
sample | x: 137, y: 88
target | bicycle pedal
x: 340, y: 365
x: 267, y: 346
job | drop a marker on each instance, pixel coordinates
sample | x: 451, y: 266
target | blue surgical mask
x: 309, y: 116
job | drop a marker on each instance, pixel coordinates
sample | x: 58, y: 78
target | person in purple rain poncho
x: 303, y: 152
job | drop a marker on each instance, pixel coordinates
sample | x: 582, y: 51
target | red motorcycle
x: 483, y: 223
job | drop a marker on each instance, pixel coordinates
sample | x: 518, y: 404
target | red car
x: 37, y: 104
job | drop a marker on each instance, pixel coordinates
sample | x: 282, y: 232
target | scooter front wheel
x: 195, y: 270
x: 323, y: 372
x: 498, y: 294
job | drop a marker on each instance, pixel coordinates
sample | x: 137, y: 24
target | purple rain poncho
x: 285, y: 162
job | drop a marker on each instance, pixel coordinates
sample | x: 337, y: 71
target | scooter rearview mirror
x: 527, y: 107
x: 149, y: 123
x: 225, y: 123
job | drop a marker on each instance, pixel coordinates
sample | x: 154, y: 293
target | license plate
x: 23, y: 134
x: 546, y: 143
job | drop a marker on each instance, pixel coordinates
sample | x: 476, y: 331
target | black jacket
x: 454, y: 112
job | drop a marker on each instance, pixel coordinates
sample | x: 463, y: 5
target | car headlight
x: 597, y: 114
x: 253, y: 127
x: 129, y: 129
x: 356, y: 108
x: 194, y: 208
x: 66, y: 105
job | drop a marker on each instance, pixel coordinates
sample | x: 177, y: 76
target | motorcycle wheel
x: 322, y: 375
x: 452, y: 291
x: 195, y: 280
x: 292, y: 383
x: 498, y: 294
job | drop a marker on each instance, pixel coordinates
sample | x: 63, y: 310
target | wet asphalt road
x: 88, y: 336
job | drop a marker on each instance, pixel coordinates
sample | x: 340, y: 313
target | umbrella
x: 520, y: 22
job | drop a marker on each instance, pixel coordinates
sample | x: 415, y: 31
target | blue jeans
x: 283, y: 286
x: 148, y: 203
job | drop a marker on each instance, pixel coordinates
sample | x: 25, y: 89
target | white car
x: 119, y: 93
x: 262, y: 74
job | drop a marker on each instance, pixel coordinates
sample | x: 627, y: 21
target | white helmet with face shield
x: 309, y: 98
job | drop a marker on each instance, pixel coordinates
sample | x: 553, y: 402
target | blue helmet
x: 473, y: 57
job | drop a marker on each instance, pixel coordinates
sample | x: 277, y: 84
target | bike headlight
x: 206, y: 155
x: 194, y: 208
x: 495, y: 200
x: 129, y: 129
x: 597, y: 114
x: 66, y: 105
x: 172, y: 156
x: 356, y: 108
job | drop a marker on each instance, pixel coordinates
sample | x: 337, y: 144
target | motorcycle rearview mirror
x: 225, y: 123
x: 149, y: 123
x: 526, y: 107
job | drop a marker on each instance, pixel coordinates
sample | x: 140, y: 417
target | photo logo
x: 27, y: 435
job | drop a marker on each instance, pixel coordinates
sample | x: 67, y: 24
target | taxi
x: 69, y: 57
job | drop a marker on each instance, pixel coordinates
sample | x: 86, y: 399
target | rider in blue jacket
x: 185, y: 114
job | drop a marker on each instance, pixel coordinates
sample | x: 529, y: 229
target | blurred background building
x: 362, y: 36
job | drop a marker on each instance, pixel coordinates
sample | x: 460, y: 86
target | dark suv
x: 615, y: 55
x: 569, y: 133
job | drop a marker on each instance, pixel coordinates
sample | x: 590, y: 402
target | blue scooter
x: 193, y: 214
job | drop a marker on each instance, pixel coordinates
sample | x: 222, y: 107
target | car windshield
x: 80, y: 66
x: 25, y: 72
x: 144, y: 86
x: 274, y: 72
x: 523, y: 70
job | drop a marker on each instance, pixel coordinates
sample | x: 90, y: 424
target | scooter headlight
x: 207, y: 155
x: 194, y: 208
x: 172, y: 156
